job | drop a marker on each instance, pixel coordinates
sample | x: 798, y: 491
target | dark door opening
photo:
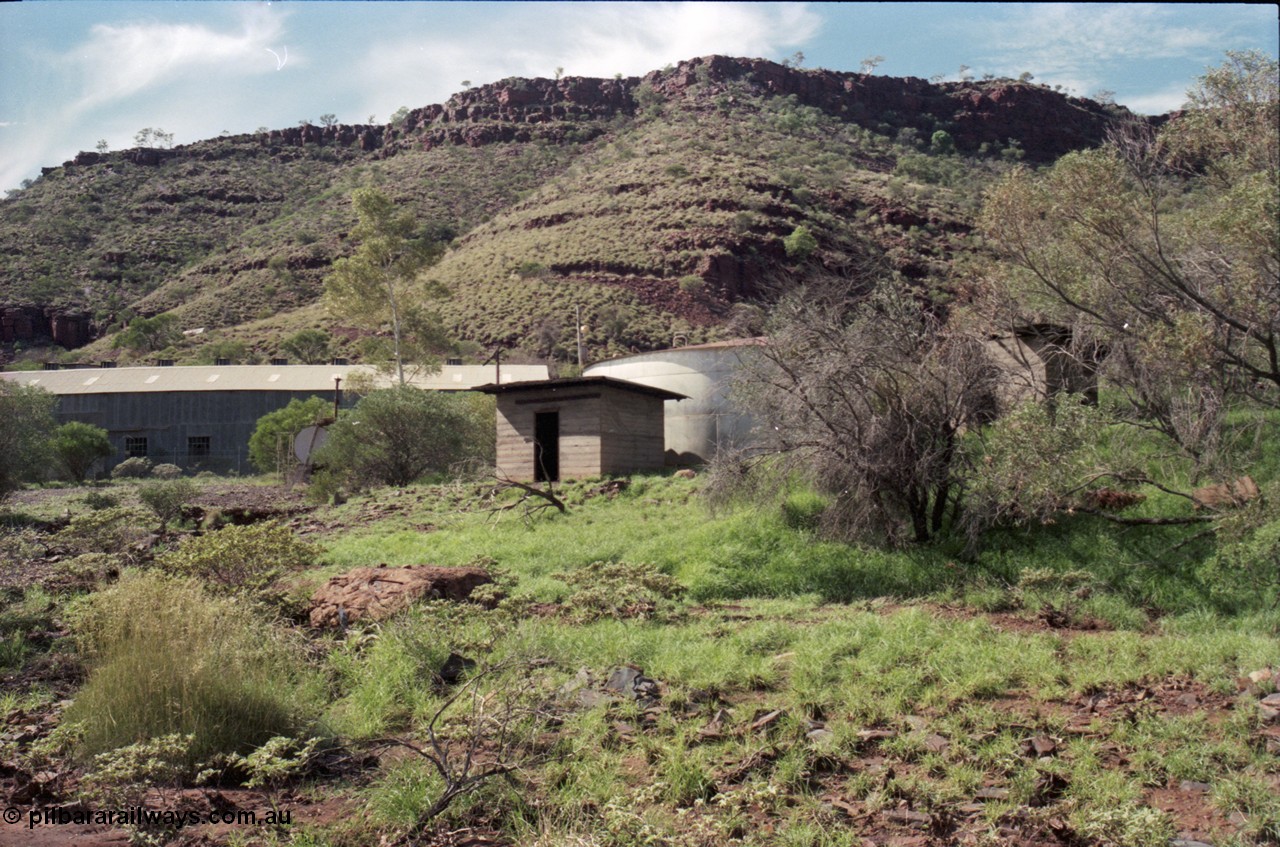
x: 546, y: 446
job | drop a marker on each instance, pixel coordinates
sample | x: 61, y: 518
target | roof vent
x: 453, y: 361
x: 106, y: 363
x: 339, y: 360
x: 222, y: 362
x: 164, y: 363
x: 51, y: 366
x: 279, y: 361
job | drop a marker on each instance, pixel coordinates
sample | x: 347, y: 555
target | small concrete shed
x: 586, y: 426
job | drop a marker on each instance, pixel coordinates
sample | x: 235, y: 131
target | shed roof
x: 253, y: 378
x: 580, y: 382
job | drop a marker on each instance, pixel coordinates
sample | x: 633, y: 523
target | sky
x: 74, y: 72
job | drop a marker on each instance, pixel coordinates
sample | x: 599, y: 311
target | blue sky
x: 75, y: 72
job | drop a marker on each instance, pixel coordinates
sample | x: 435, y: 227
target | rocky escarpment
x: 1045, y: 123
x: 33, y: 324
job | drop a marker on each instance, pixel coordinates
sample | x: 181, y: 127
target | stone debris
x: 373, y: 594
x: 1269, y: 706
x: 765, y: 721
x: 630, y: 682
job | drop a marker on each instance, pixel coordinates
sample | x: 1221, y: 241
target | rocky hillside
x: 657, y: 205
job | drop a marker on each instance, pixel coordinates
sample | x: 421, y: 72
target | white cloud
x: 119, y: 61
x: 626, y: 38
x: 1060, y: 38
x: 1158, y: 102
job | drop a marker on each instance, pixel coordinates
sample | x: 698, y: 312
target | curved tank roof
x: 709, y: 421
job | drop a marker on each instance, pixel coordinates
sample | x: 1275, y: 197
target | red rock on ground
x: 377, y: 593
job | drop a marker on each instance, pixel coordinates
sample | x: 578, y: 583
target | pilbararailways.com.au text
x: 140, y: 817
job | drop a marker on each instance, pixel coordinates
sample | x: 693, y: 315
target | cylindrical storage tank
x: 706, y: 423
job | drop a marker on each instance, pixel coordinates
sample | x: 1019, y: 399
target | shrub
x: 166, y: 498
x: 28, y: 416
x: 113, y: 529
x: 77, y: 446
x: 99, y: 500
x: 691, y: 284
x: 394, y: 436
x: 241, y: 557
x: 270, y: 446
x: 165, y: 656
x: 800, y: 243
x: 166, y: 471
x: 134, y: 467
x: 86, y: 570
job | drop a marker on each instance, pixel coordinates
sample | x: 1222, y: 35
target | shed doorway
x: 546, y: 447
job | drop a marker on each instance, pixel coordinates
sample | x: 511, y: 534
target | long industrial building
x: 201, y: 417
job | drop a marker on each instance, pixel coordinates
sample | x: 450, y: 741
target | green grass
x: 166, y: 656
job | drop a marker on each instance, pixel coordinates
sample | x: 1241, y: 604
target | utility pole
x: 496, y: 358
x: 577, y: 316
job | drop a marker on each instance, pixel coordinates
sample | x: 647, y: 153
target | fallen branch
x: 550, y: 500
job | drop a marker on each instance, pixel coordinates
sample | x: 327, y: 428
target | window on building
x: 135, y: 446
x: 198, y: 446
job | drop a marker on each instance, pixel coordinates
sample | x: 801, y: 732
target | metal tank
x: 706, y: 423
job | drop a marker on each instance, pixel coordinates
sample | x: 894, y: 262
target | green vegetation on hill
x: 689, y: 176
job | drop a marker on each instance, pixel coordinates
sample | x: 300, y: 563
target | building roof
x: 319, y: 378
x: 580, y: 382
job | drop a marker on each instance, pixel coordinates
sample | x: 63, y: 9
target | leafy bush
x: 123, y: 776
x: 800, y: 243
x: 116, y: 530
x: 166, y: 498
x: 691, y: 284
x: 241, y: 557
x: 270, y: 446
x: 99, y: 500
x: 166, y: 471
x: 134, y: 467
x: 165, y: 656
x: 394, y: 436
x: 77, y: 446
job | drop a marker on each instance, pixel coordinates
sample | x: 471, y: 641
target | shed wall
x: 603, y: 430
x: 579, y: 433
x: 631, y: 433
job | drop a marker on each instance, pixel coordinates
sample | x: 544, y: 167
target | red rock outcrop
x: 377, y: 593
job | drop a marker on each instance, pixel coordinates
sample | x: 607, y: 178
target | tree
x: 867, y: 395
x: 147, y: 335
x: 329, y: 120
x: 379, y: 284
x: 942, y: 142
x: 395, y: 435
x: 103, y: 146
x: 869, y: 64
x: 27, y: 413
x: 310, y: 346
x: 78, y: 445
x: 1164, y: 249
x: 271, y: 445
